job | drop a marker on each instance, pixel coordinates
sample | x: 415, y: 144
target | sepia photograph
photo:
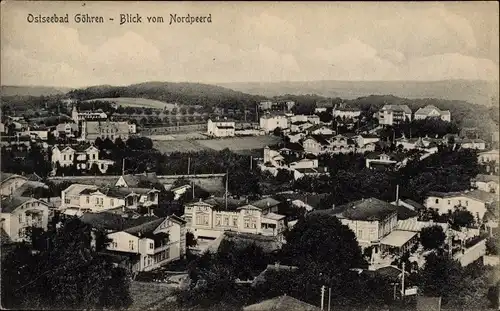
x: 249, y: 156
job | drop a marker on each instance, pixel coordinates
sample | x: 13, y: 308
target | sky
x: 250, y: 42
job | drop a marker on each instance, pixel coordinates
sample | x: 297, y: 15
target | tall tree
x: 432, y: 237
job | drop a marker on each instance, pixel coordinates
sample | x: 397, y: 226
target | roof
x: 417, y: 226
x: 487, y: 178
x: 390, y: 272
x: 479, y: 195
x: 113, y: 221
x: 273, y: 216
x: 8, y: 205
x: 219, y: 203
x: 405, y: 212
x: 295, y: 146
x: 348, y: 109
x: 313, y: 200
x: 25, y: 188
x: 145, y: 228
x: 320, y: 139
x: 472, y: 141
x: 371, y: 209
x: 415, y: 204
x: 281, y: 303
x: 265, y: 203
x: 429, y: 108
x: 240, y: 239
x: 133, y: 181
x: 5, y: 176
x: 94, y: 127
x: 401, y: 108
x: 398, y: 238
x: 494, y: 151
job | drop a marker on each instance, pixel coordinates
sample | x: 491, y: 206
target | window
x: 459, y: 202
x: 67, y: 201
x: 247, y: 223
x: 151, y: 245
x: 87, y: 199
x: 64, y: 157
x: 20, y: 218
x: 437, y: 201
x: 226, y: 221
x: 112, y: 202
x: 102, y: 201
x: 145, y: 261
x: 360, y: 233
x: 449, y: 202
x: 254, y: 225
x: 235, y: 221
x: 466, y: 203
x: 93, y: 156
x: 131, y: 245
x: 217, y: 220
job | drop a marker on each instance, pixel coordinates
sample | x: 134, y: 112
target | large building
x: 83, y: 157
x: 269, y: 123
x: 9, y: 183
x: 476, y: 202
x: 394, y: 114
x: 432, y: 112
x: 79, y: 116
x: 209, y: 219
x: 220, y: 128
x: 79, y: 198
x: 21, y: 213
x: 91, y: 130
x: 346, y: 112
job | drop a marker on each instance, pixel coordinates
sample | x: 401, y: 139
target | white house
x: 154, y: 243
x: 380, y: 159
x: 488, y: 183
x: 346, y: 112
x: 430, y: 111
x: 9, y: 183
x: 78, y: 116
x: 220, y: 128
x: 91, y: 198
x: 394, y: 114
x: 66, y: 130
x: 320, y: 130
x: 475, y: 201
x: 81, y: 156
x: 478, y: 144
x: 210, y: 218
x: 489, y: 156
x: 21, y: 213
x: 304, y: 163
x: 314, y: 119
x: 270, y: 122
x: 364, y: 139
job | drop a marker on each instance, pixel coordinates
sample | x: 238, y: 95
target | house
x: 304, y: 163
x: 269, y: 123
x: 66, y: 130
x: 94, y: 199
x: 78, y: 116
x: 469, y: 143
x: 489, y: 156
x: 153, y: 243
x: 21, y: 213
x: 341, y: 144
x: 9, y: 183
x: 105, y: 129
x: 377, y: 159
x: 273, y: 157
x: 296, y: 137
x: 323, y: 106
x: 394, y: 114
x: 300, y: 126
x: 137, y: 181
x: 281, y: 303
x: 315, y: 144
x: 320, y: 130
x: 132, y: 128
x: 475, y: 201
x: 220, y: 128
x: 370, y: 219
x: 180, y: 191
x: 364, y: 139
x: 431, y: 111
x: 35, y: 133
x: 261, y: 278
x: 209, y: 219
x: 83, y: 157
x: 313, y: 119
x: 346, y: 112
x: 298, y: 173
x: 488, y: 183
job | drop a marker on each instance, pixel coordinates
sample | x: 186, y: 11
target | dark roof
x: 320, y: 139
x: 145, y: 228
x: 240, y: 239
x: 5, y: 176
x: 369, y: 136
x: 348, y: 109
x: 8, y: 205
x: 366, y: 209
x: 112, y: 221
x: 390, y: 272
x: 220, y: 203
x: 265, y: 203
x: 294, y: 146
x: 281, y: 303
x: 224, y: 127
x: 134, y: 180
x: 405, y: 213
x: 415, y: 204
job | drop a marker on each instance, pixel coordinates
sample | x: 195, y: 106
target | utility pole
x: 189, y: 164
x: 397, y: 195
x: 227, y: 178
x: 251, y: 163
x: 192, y: 187
x: 329, y: 297
x: 322, y: 297
x: 403, y: 282
x: 123, y: 166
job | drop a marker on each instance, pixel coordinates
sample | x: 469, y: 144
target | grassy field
x: 138, y: 102
x: 147, y: 294
x: 234, y: 144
